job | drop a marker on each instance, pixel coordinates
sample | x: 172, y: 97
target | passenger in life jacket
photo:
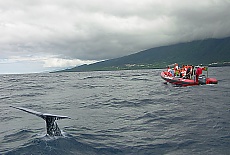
x: 176, y: 69
x: 183, y: 72
x: 198, y: 73
x: 169, y: 70
x: 177, y: 73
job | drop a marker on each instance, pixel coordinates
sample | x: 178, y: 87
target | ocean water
x: 119, y: 112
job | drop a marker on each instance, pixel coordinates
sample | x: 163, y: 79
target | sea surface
x: 117, y: 112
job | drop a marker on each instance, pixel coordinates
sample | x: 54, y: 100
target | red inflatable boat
x: 179, y: 81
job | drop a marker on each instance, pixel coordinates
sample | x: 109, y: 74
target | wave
x: 67, y: 145
x: 140, y: 79
x: 124, y: 112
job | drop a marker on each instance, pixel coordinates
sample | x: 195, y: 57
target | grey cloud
x: 104, y: 29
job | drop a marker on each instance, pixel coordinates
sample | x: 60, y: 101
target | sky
x: 46, y: 35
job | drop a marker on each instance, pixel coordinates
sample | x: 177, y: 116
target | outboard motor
x: 202, y: 79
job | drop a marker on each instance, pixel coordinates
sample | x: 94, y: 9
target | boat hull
x: 185, y: 82
x: 211, y: 81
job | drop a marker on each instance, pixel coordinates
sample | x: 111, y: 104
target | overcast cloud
x: 66, y: 33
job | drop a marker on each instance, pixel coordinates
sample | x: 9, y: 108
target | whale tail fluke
x: 51, y: 124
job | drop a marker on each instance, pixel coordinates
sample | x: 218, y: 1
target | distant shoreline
x: 135, y: 68
x: 219, y: 64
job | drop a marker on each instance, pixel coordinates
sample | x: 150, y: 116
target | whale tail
x: 51, y: 124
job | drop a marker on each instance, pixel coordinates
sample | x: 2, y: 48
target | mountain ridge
x: 195, y: 52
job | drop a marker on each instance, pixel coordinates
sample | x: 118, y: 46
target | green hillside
x: 195, y: 52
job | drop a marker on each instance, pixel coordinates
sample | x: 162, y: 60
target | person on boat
x: 198, y: 73
x: 183, y: 72
x: 173, y: 72
x: 170, y: 71
x: 176, y: 67
x: 192, y: 71
x: 189, y: 72
x: 177, y: 73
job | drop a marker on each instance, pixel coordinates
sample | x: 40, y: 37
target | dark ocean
x: 119, y: 112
